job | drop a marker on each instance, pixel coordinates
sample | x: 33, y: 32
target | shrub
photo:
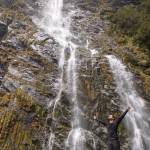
x: 134, y: 21
x: 121, y: 40
x: 126, y: 20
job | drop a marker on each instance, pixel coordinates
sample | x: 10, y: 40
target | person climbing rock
x: 112, y: 128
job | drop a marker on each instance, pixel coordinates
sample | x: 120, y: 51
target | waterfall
x: 137, y: 120
x: 57, y: 24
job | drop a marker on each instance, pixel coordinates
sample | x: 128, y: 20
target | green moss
x: 121, y: 40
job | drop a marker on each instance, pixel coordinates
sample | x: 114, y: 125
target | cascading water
x: 57, y: 25
x: 137, y: 120
x: 93, y: 56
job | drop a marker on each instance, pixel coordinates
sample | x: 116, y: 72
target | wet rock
x: 2, y: 47
x: 10, y: 84
x: 28, y: 120
x: 126, y: 49
x: 3, y: 70
x: 18, y: 25
x: 94, y: 27
x: 35, y: 94
x: 86, y: 6
x: 78, y: 16
x: 14, y: 43
x: 36, y: 141
x: 65, y: 101
x: 40, y: 36
x: 50, y: 53
x: 3, y: 29
x: 102, y: 12
x: 27, y: 75
x: 49, y: 121
x: 33, y: 5
x: 14, y: 72
x: 29, y: 61
x: 3, y: 67
x: 7, y: 2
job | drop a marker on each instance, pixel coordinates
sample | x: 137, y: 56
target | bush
x: 126, y: 20
x: 143, y: 32
x: 134, y: 20
x: 121, y: 40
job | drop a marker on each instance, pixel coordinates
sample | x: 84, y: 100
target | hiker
x: 112, y: 127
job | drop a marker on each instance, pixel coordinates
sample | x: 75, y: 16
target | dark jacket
x: 113, y: 127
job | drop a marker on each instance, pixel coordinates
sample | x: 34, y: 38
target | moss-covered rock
x: 22, y: 121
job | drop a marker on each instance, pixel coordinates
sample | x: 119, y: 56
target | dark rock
x: 14, y: 72
x: 2, y: 47
x: 49, y: 121
x: 33, y: 3
x: 55, y: 60
x: 126, y: 49
x: 50, y: 53
x: 109, y: 51
x: 8, y: 20
x: 78, y: 17
x: 94, y: 27
x: 102, y: 12
x: 3, y: 70
x: 10, y: 84
x: 28, y: 120
x: 29, y: 61
x: 3, y: 29
x: 36, y: 141
x: 18, y: 25
x: 27, y: 75
x: 87, y: 7
x: 7, y: 3
x: 35, y: 94
x: 40, y: 36
x: 14, y: 43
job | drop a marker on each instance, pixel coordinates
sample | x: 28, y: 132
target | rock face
x: 3, y: 29
x: 29, y: 77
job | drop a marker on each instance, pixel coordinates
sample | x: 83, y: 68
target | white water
x: 57, y: 24
x: 137, y: 120
x: 57, y: 27
x: 94, y: 53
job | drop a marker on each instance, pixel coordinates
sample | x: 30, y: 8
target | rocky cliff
x: 29, y: 69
